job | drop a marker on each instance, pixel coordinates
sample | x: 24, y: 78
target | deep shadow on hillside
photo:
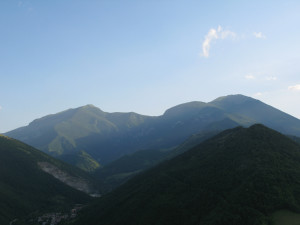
x: 240, y: 176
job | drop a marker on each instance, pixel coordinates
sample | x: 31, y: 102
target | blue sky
x: 144, y: 56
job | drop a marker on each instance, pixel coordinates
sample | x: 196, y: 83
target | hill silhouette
x: 240, y: 176
x: 25, y: 188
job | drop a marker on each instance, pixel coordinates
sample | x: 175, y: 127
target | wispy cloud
x: 250, y: 77
x: 294, y: 87
x: 271, y: 78
x: 258, y: 94
x: 211, y: 35
x: 259, y: 35
x: 260, y: 76
x: 0, y: 107
x: 214, y: 34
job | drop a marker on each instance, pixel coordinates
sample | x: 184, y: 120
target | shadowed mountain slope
x: 105, y: 137
x: 259, y: 112
x: 31, y: 181
x: 296, y: 139
x: 119, y: 171
x: 240, y: 176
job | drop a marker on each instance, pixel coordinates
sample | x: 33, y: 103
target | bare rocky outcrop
x: 74, y: 182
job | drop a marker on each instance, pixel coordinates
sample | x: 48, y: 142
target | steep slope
x: 85, y: 129
x: 108, y: 136
x: 119, y: 171
x: 296, y: 139
x: 82, y: 160
x: 31, y: 181
x: 259, y: 112
x: 241, y: 176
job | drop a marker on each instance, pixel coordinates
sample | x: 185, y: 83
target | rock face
x: 74, y: 182
x: 26, y: 190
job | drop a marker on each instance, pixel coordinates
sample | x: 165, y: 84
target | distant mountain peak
x: 237, y: 98
x: 182, y: 108
x: 89, y: 106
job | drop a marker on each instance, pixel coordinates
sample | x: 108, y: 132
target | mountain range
x: 90, y: 138
x: 198, y: 163
x: 240, y: 176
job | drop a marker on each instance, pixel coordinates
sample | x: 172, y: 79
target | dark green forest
x: 26, y: 190
x: 240, y: 176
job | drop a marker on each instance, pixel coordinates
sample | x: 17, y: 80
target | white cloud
x: 249, y: 77
x: 259, y: 35
x: 271, y: 78
x: 260, y: 77
x: 258, y: 94
x: 214, y: 34
x: 294, y: 88
x: 0, y: 107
